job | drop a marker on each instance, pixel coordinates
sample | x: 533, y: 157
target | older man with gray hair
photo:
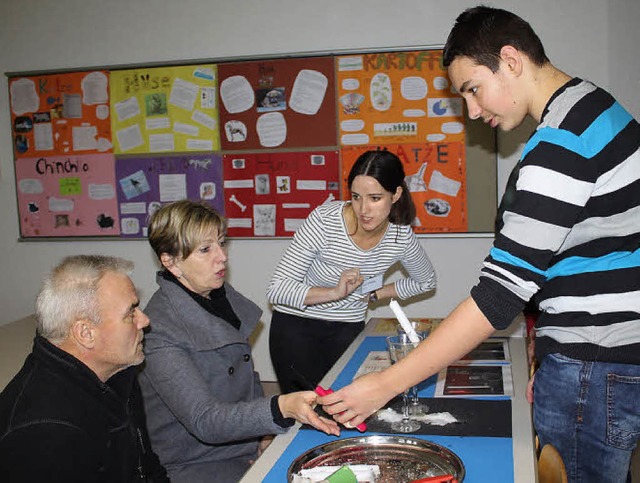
x: 74, y: 411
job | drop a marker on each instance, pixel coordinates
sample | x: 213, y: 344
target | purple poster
x: 146, y: 183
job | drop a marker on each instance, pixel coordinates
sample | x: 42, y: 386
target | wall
x: 584, y: 37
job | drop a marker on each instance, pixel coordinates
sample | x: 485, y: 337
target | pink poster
x: 60, y: 196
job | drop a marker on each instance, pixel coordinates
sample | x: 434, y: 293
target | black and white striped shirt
x: 321, y: 250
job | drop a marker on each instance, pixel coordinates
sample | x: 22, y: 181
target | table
x: 501, y: 459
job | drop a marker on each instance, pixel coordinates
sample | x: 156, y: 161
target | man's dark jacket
x: 60, y: 423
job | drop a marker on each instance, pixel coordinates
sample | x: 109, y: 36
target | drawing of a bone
x: 235, y: 200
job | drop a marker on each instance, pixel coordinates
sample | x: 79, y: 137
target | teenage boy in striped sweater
x: 570, y: 236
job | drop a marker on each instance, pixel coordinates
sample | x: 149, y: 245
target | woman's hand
x: 299, y: 406
x: 350, y: 279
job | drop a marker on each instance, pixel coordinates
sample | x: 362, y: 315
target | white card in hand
x: 370, y: 284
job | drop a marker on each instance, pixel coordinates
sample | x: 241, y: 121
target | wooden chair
x: 550, y: 466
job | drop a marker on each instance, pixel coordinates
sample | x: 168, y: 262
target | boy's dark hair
x: 386, y: 168
x: 480, y: 33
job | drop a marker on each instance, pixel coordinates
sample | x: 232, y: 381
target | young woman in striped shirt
x: 319, y: 306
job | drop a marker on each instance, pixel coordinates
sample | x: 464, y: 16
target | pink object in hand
x: 321, y: 391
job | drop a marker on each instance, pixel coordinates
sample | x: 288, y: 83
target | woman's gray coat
x: 205, y: 407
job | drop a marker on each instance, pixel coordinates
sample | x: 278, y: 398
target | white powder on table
x: 436, y: 419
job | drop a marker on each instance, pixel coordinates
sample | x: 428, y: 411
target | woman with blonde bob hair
x: 205, y: 406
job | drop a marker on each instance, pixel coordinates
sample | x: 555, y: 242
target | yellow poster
x: 164, y: 109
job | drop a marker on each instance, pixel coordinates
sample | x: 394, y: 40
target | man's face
x: 488, y: 95
x: 119, y: 335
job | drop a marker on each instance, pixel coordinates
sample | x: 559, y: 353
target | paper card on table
x: 491, y: 351
x: 475, y: 381
x: 386, y: 325
x: 375, y: 361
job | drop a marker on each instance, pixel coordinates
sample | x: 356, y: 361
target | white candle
x: 404, y: 322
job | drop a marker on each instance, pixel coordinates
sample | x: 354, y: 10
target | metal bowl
x: 400, y: 458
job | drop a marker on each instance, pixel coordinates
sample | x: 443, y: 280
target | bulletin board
x: 264, y: 141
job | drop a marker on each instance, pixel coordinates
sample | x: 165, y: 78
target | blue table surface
x: 485, y: 459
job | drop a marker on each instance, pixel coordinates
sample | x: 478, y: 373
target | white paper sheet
x: 237, y: 94
x: 442, y: 184
x: 43, y: 136
x: 183, y: 94
x: 311, y: 184
x: 24, y: 97
x: 127, y: 109
x: 161, y: 142
x: 272, y: 129
x: 84, y: 138
x: 157, y: 123
x: 173, y: 187
x: 308, y: 92
x: 95, y: 88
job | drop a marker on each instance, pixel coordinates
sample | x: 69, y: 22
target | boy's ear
x: 512, y: 59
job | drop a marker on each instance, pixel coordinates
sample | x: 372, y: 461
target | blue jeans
x: 590, y: 411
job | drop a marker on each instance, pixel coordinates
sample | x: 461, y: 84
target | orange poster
x: 435, y: 176
x: 60, y: 114
x: 397, y: 97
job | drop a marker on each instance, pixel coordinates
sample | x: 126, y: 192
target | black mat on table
x: 476, y: 417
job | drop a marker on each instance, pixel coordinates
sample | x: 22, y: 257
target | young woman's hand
x: 350, y: 279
